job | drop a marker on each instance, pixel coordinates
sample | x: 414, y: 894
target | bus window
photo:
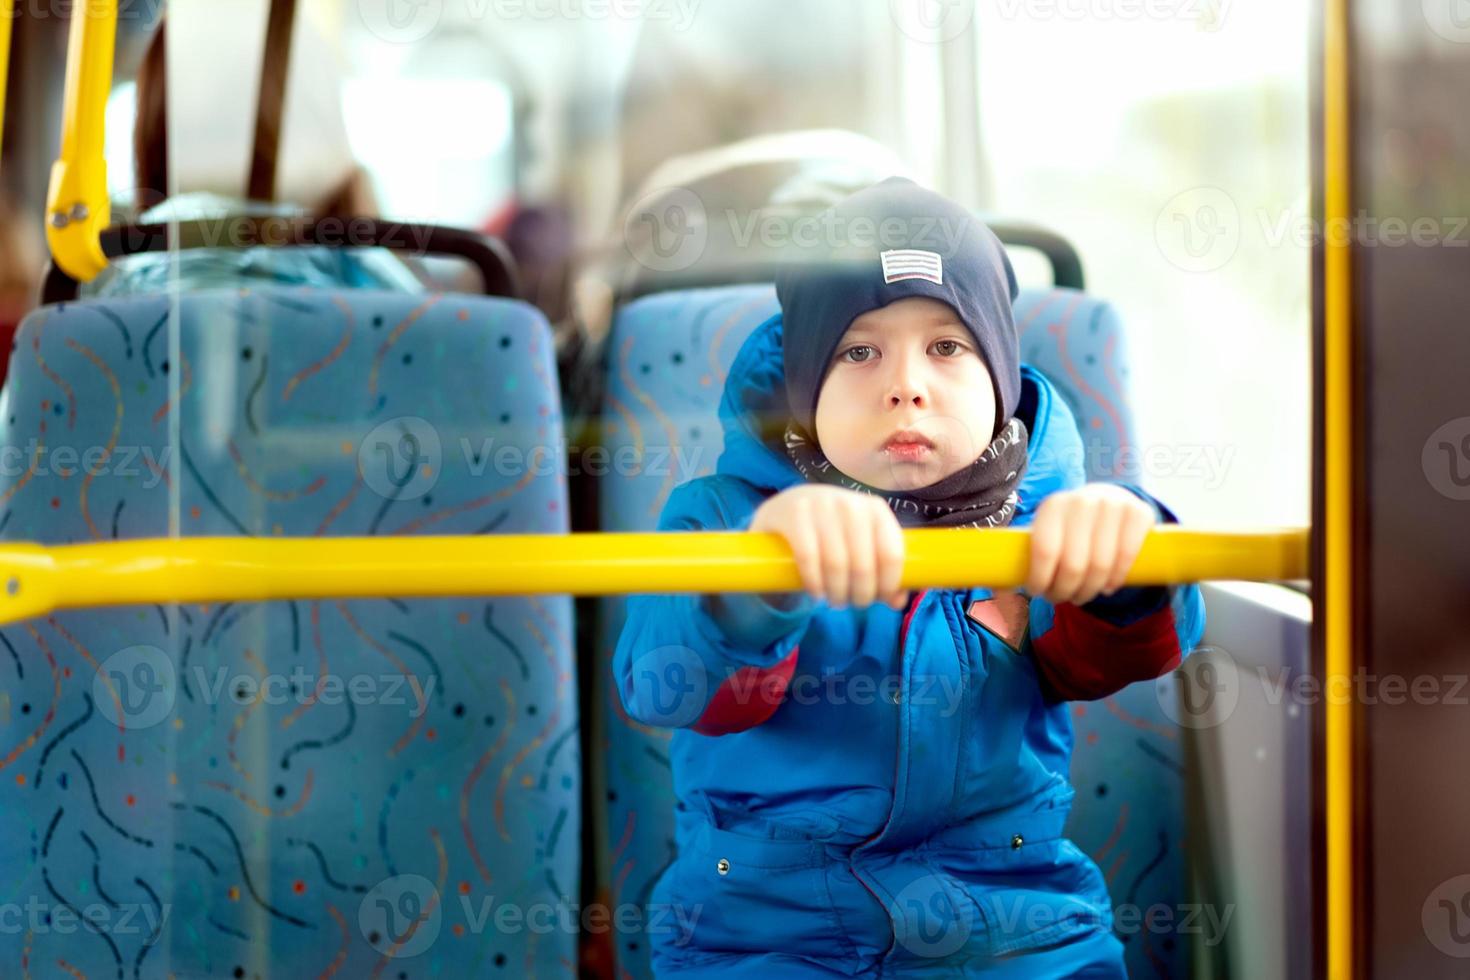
x: 1172, y: 149
x: 122, y: 114
x: 448, y: 94
x: 726, y: 75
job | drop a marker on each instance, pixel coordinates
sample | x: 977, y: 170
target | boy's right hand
x: 848, y: 545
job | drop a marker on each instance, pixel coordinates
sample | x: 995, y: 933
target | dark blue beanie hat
x: 885, y: 243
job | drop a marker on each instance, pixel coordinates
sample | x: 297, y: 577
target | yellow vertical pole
x: 77, y: 205
x: 7, y: 19
x: 1337, y: 471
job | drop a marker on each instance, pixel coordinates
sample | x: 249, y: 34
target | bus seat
x: 304, y: 787
x: 1128, y: 760
x: 668, y: 354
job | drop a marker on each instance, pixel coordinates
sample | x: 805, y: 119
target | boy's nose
x: 906, y: 380
x: 905, y: 393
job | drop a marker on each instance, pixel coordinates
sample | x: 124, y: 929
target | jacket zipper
x: 903, y: 635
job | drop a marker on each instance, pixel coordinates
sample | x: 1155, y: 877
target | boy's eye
x: 858, y: 354
x: 948, y: 348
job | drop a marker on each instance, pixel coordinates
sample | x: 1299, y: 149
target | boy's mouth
x: 908, y: 446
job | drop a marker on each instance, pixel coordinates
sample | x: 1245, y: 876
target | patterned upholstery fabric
x: 667, y: 360
x: 669, y: 354
x: 1128, y: 764
x: 325, y: 788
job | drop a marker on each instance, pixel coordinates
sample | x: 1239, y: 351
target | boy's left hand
x: 1084, y: 541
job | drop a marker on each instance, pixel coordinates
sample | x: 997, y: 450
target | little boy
x: 874, y: 783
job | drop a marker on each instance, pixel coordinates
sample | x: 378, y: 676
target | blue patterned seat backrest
x: 668, y: 358
x: 1128, y: 764
x: 302, y: 788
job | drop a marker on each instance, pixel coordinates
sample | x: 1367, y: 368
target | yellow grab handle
x: 77, y: 206
x: 35, y: 580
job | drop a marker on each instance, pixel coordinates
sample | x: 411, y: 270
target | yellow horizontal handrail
x: 77, y: 206
x: 36, y: 580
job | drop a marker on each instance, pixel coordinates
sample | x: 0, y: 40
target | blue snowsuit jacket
x: 867, y: 792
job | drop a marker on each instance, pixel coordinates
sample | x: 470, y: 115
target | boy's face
x: 908, y: 399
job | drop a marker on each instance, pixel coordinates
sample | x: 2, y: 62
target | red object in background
x: 595, y: 946
x: 9, y: 324
x: 498, y: 224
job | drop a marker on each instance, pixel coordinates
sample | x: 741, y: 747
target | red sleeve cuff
x: 1083, y: 658
x: 747, y: 698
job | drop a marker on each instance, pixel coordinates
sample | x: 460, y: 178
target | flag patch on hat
x: 912, y: 263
